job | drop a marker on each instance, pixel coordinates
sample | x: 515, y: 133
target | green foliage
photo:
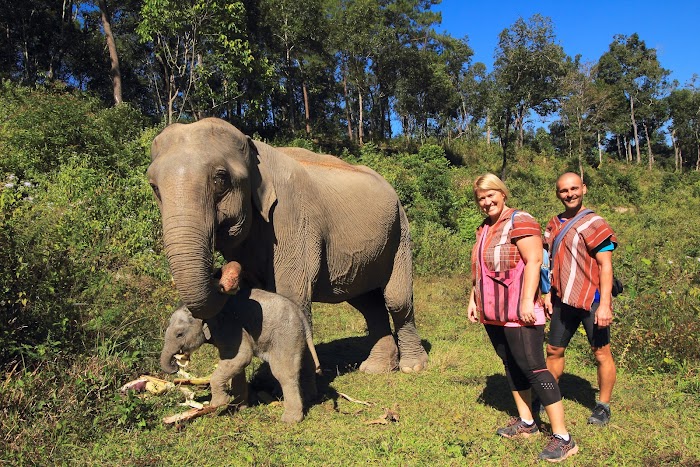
x: 437, y: 250
x: 75, y: 209
x: 422, y: 181
x: 41, y: 129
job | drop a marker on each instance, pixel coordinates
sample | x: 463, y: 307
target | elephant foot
x: 219, y: 401
x: 414, y: 365
x: 414, y: 358
x: 383, y: 358
x: 292, y: 416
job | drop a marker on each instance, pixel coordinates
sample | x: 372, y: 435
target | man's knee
x: 603, y: 354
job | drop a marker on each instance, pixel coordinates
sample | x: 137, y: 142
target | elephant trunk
x: 189, y: 248
x: 167, y: 359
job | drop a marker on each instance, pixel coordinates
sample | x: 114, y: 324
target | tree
x: 202, y: 53
x: 631, y: 71
x: 528, y: 67
x: 114, y: 72
x: 684, y: 110
x: 582, y: 107
x: 36, y: 35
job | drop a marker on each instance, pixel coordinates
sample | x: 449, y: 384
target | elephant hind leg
x: 288, y: 376
x: 398, y: 295
x: 384, y: 356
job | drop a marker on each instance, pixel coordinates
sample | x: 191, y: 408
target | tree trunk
x: 360, y: 133
x: 504, y: 144
x: 348, y: 114
x: 649, y: 153
x: 114, y: 71
x: 307, y: 114
x: 580, y: 145
x: 600, y: 151
x: 634, y: 127
x: 488, y: 130
x: 676, y: 155
x: 619, y: 149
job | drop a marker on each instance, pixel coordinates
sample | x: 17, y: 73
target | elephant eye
x: 222, y: 182
x: 156, y: 191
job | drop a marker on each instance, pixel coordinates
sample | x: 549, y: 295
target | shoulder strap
x: 562, y: 232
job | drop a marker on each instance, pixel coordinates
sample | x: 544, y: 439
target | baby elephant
x: 253, y: 322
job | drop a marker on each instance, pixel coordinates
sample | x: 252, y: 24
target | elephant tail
x: 310, y: 342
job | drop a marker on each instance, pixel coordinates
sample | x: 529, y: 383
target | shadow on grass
x: 338, y: 357
x: 497, y: 393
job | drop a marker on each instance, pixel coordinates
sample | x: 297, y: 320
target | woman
x: 508, y: 250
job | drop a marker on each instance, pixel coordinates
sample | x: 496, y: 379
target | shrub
x: 437, y: 250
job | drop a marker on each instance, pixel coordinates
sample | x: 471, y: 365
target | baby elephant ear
x: 261, y: 181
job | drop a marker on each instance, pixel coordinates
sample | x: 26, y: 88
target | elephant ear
x: 261, y: 181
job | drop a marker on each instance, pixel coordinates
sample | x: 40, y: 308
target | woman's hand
x: 472, y: 310
x: 527, y: 312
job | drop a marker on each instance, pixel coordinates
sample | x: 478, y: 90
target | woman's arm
x: 530, y: 249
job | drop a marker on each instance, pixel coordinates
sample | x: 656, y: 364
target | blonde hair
x: 490, y: 182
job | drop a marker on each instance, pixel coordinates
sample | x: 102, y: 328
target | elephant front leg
x: 384, y: 356
x: 231, y: 369
x: 400, y: 305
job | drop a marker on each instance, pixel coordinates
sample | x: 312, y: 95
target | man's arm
x: 604, y: 313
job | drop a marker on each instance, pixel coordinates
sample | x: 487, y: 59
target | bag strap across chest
x: 560, y: 236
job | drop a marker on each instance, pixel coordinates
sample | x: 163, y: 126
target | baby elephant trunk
x: 167, y: 359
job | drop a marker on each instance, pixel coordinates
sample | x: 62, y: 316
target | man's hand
x: 548, y: 309
x: 603, y: 315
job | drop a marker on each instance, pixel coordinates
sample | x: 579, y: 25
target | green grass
x: 448, y: 414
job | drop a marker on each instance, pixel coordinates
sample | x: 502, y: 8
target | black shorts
x: 565, y: 321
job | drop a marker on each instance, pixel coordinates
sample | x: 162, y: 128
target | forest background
x: 87, y: 85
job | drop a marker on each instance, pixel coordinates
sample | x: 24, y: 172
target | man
x: 582, y: 279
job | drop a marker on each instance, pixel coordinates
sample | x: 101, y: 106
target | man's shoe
x: 557, y: 449
x: 600, y: 415
x: 517, y: 428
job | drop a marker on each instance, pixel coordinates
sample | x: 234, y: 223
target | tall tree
x: 684, y: 109
x: 582, y: 107
x: 295, y: 34
x: 114, y: 71
x: 632, y: 71
x: 202, y: 53
x: 528, y: 67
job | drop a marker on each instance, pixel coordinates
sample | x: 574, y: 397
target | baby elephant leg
x: 288, y: 377
x: 231, y: 367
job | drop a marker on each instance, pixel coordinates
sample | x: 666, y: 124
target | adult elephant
x: 307, y: 226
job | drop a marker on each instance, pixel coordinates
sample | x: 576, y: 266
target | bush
x: 437, y: 250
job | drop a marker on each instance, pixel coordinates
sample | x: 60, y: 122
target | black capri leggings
x: 521, y: 349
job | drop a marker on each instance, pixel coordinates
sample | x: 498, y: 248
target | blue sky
x: 585, y: 27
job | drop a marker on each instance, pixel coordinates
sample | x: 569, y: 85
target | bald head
x: 570, y: 191
x: 568, y: 178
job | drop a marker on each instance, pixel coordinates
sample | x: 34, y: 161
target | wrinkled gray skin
x: 307, y: 226
x: 252, y: 322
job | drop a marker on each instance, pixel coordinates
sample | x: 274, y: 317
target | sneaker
x: 517, y: 428
x: 600, y: 415
x: 557, y: 449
